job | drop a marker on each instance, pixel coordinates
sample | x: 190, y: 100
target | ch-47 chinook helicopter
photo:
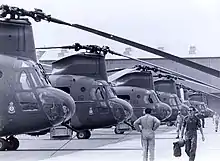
x: 28, y: 102
x: 166, y: 88
x: 169, y: 85
x: 137, y: 87
x: 198, y: 99
x: 110, y: 109
x: 84, y: 77
x: 38, y: 15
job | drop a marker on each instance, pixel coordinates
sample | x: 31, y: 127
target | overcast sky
x: 173, y: 24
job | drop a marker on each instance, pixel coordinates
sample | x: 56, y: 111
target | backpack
x: 176, y: 149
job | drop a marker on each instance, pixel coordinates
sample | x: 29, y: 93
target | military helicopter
x: 198, y: 99
x: 128, y: 42
x: 29, y: 102
x: 167, y: 92
x: 41, y: 16
x: 84, y: 77
x: 136, y: 86
x: 166, y: 89
x: 117, y: 109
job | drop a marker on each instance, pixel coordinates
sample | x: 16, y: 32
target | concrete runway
x: 38, y: 148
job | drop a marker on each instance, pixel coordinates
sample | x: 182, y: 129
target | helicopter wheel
x: 83, y: 134
x: 117, y: 131
x: 3, y: 144
x: 170, y: 124
x: 13, y: 143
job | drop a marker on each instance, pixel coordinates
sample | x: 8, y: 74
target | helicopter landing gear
x: 13, y: 143
x: 83, y: 134
x: 170, y: 123
x: 117, y: 131
x: 10, y: 143
x: 3, y: 144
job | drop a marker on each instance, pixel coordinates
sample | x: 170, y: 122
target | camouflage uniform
x: 191, y: 123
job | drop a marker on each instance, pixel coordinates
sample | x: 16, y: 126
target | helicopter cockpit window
x: 154, y: 97
x: 110, y: 92
x: 42, y: 78
x: 1, y: 74
x: 97, y: 94
x: 36, y: 80
x: 24, y: 81
x: 178, y: 100
x: 147, y: 99
x: 172, y: 101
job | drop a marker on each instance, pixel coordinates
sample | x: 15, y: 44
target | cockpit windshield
x: 42, y: 75
x: 172, y: 101
x: 154, y: 97
x: 97, y: 93
x: 178, y: 100
x: 109, y: 92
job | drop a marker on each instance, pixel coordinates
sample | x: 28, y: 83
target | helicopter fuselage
x: 28, y: 102
x: 96, y: 104
x: 175, y: 104
x: 140, y: 99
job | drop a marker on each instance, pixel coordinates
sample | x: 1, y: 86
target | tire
x: 118, y: 131
x: 3, y: 144
x: 13, y: 143
x: 88, y: 134
x: 83, y: 134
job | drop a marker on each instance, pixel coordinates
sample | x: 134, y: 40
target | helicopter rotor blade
x: 115, y: 70
x: 188, y: 88
x: 183, y: 61
x: 57, y: 47
x: 105, y: 50
x: 168, y: 70
x: 39, y: 15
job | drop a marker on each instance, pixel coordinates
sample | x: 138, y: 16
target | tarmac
x: 130, y: 150
x: 104, y: 145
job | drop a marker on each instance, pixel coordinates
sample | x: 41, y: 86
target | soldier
x: 216, y: 121
x: 191, y: 123
x: 148, y: 125
x: 179, y: 123
x: 201, y: 115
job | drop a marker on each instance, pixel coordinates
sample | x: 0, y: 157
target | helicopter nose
x: 57, y: 105
x: 121, y: 109
x: 184, y: 109
x: 165, y: 111
x: 127, y: 108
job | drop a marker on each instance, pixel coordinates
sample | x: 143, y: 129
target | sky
x: 172, y: 24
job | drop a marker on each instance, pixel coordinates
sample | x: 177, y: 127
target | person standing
x: 179, y: 123
x: 147, y: 125
x: 201, y: 115
x: 216, y: 121
x: 190, y: 125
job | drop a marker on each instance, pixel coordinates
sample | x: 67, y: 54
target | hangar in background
x: 120, y: 62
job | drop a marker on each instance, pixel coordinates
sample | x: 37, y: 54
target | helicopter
x: 38, y: 15
x: 128, y: 42
x: 29, y: 102
x: 141, y: 76
x: 198, y: 99
x: 167, y: 92
x: 166, y: 88
x: 108, y: 110
x: 136, y: 86
x: 83, y: 76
